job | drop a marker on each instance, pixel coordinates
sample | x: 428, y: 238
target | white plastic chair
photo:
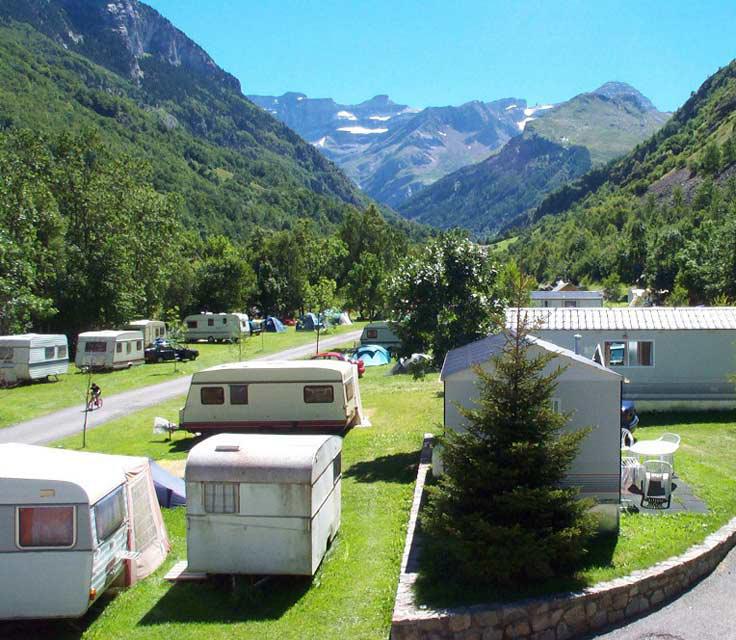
x: 630, y: 472
x: 657, y: 485
x: 670, y: 457
x: 627, y: 439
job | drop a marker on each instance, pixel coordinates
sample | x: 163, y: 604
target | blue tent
x: 170, y: 490
x: 372, y: 355
x: 308, y: 322
x: 274, y: 325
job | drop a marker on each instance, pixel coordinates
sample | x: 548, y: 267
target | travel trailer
x: 280, y: 493
x: 589, y: 392
x: 151, y: 330
x: 217, y: 327
x: 109, y: 349
x: 71, y: 525
x: 313, y: 394
x: 32, y: 356
x: 382, y: 334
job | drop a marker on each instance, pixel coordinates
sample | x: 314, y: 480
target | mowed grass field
x: 39, y: 398
x: 352, y: 594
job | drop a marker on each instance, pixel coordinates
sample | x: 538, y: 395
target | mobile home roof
x: 261, y: 458
x: 33, y: 339
x: 626, y: 318
x: 143, y: 323
x: 92, y: 473
x: 110, y: 334
x: 277, y: 371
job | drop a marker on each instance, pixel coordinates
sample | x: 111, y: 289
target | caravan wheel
x: 210, y: 339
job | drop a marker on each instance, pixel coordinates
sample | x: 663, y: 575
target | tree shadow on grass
x: 396, y: 467
x: 56, y: 629
x: 226, y: 600
x: 671, y: 418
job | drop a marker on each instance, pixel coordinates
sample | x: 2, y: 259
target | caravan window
x: 191, y: 324
x: 318, y: 394
x: 371, y: 334
x: 109, y: 514
x: 128, y: 347
x: 634, y: 353
x: 6, y: 354
x: 210, y: 322
x: 349, y: 390
x: 119, y: 347
x: 45, y: 526
x: 221, y: 497
x: 138, y: 345
x: 212, y: 395
x: 95, y: 347
x: 224, y: 320
x: 238, y: 394
x: 615, y: 354
x: 61, y: 352
x: 48, y: 353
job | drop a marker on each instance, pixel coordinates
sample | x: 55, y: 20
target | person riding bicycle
x: 95, y: 393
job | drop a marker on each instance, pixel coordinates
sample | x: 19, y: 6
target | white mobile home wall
x: 216, y: 327
x: 109, y: 349
x: 580, y: 299
x: 32, y: 356
x: 593, y: 395
x: 151, y: 330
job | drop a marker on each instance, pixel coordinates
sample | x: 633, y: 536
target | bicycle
x: 94, y: 403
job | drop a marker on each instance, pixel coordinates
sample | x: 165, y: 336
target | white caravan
x: 151, y: 330
x: 312, y: 394
x: 217, y: 327
x: 109, y: 349
x: 262, y: 504
x: 380, y: 333
x: 32, y: 356
x: 71, y: 525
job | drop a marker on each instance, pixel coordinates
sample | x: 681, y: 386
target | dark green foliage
x: 444, y: 295
x: 498, y: 516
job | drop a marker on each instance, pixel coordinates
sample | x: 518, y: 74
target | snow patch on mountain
x: 362, y: 130
x: 346, y: 115
x: 530, y: 111
x: 379, y: 118
x: 511, y: 106
x: 321, y: 142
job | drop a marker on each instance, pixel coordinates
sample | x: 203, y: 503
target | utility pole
x: 86, y: 408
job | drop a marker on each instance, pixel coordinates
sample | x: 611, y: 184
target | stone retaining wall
x: 558, y: 617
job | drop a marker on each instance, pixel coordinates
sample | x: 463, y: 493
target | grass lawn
x: 33, y: 400
x: 352, y: 594
x: 706, y: 460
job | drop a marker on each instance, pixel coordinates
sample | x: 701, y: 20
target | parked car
x: 336, y: 355
x: 629, y: 419
x: 163, y: 350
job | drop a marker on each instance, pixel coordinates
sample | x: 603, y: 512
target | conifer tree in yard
x: 498, y: 516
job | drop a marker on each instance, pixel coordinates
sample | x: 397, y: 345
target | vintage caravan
x: 32, y: 356
x: 152, y: 330
x: 262, y: 504
x: 590, y: 392
x: 217, y: 327
x: 72, y: 524
x: 312, y: 394
x: 673, y: 357
x: 109, y: 349
x: 380, y: 333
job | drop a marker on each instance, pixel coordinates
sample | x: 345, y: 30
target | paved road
x: 70, y: 421
x: 703, y: 613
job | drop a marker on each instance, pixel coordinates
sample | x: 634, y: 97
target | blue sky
x: 441, y: 52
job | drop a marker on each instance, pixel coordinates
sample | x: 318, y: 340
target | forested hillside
x: 152, y: 92
x: 664, y: 215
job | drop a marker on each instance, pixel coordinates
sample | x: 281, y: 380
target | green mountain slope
x: 491, y: 195
x: 663, y: 215
x: 123, y: 69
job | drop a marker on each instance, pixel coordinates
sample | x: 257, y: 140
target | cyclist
x: 96, y: 395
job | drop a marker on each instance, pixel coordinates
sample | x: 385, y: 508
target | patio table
x: 653, y: 448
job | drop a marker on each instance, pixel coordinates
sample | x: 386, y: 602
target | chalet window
x: 191, y: 324
x: 371, y: 334
x: 615, y: 354
x: 6, y: 354
x: 95, y: 347
x: 632, y: 353
x: 138, y: 345
x: 212, y: 395
x: 238, y: 394
x: 319, y: 394
x: 119, y: 347
x: 349, y: 390
x: 48, y: 353
x: 221, y: 497
x: 210, y: 322
x: 109, y: 514
x: 46, y: 526
x: 61, y: 352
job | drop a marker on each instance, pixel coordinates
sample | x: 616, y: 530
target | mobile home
x: 71, y: 525
x: 109, y: 349
x: 586, y: 389
x: 312, y: 394
x: 32, y: 356
x: 280, y: 493
x: 380, y: 333
x: 567, y: 298
x: 673, y: 357
x: 152, y: 330
x: 217, y: 327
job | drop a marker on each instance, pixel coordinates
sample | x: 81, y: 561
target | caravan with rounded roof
x: 32, y: 356
x: 109, y: 349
